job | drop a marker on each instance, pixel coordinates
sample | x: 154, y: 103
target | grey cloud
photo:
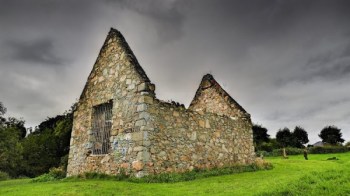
x: 331, y: 65
x: 39, y: 51
x: 166, y: 15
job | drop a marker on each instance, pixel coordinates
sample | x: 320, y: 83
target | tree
x: 347, y: 144
x: 331, y: 135
x: 2, y: 109
x: 285, y: 138
x: 300, y: 137
x: 260, y: 136
x: 39, y: 154
x: 2, y: 112
x: 48, y: 145
x: 10, y: 146
x: 12, y: 122
x: 18, y: 124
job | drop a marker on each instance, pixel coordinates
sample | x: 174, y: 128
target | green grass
x: 293, y: 176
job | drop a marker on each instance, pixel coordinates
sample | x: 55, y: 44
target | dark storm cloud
x: 39, y: 51
x: 166, y: 15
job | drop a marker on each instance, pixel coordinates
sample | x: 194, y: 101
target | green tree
x: 285, y: 138
x: 331, y: 135
x: 260, y: 136
x: 300, y: 137
x: 10, y: 151
x: 10, y: 146
x: 39, y: 154
x: 48, y: 145
x: 19, y: 124
x: 2, y: 112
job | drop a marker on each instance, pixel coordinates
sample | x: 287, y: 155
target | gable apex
x: 115, y: 35
x: 117, y: 52
x: 210, y: 96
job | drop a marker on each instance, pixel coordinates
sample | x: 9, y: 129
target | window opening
x: 101, y: 127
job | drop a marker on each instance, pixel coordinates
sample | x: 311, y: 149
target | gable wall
x: 210, y: 97
x: 114, y: 77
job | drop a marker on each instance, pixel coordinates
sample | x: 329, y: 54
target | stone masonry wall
x: 210, y: 97
x: 184, y: 140
x: 151, y: 136
x: 116, y: 76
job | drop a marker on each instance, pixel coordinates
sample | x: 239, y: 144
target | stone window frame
x: 101, y: 126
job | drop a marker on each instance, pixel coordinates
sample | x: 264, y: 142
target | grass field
x: 293, y: 176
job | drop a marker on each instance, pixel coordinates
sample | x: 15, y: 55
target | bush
x: 64, y: 162
x: 293, y: 151
x: 263, y: 153
x: 44, y: 178
x: 267, y: 146
x: 311, y: 150
x: 279, y: 152
x: 57, y: 172
x: 328, y: 149
x: 4, y: 176
x: 54, y: 174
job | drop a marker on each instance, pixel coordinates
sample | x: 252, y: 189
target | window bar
x: 101, y: 125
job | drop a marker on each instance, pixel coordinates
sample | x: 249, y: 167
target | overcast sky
x: 286, y: 62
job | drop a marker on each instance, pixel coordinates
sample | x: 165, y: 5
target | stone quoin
x: 120, y: 126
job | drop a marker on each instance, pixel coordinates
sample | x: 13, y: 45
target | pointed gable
x: 211, y: 97
x: 116, y: 50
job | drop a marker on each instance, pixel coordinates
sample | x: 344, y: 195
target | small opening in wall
x: 101, y: 128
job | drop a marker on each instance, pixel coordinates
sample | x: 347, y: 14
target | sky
x: 286, y: 62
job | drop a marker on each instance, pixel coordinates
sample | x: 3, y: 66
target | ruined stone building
x: 120, y: 125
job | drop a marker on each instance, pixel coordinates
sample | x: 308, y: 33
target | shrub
x: 279, y: 152
x: 44, y: 178
x: 328, y: 149
x: 57, y: 172
x: 53, y: 175
x: 4, y: 176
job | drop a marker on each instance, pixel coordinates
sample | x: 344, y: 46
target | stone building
x: 120, y: 125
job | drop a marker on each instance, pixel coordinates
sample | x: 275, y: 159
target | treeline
x: 293, y: 142
x: 46, y: 146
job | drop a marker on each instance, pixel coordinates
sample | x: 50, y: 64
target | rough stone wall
x: 149, y: 135
x: 116, y: 76
x: 185, y: 139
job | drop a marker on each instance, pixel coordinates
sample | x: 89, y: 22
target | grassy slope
x: 293, y: 176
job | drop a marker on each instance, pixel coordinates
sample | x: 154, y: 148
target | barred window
x: 101, y: 127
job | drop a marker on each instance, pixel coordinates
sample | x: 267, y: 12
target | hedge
x: 311, y: 150
x: 328, y: 149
